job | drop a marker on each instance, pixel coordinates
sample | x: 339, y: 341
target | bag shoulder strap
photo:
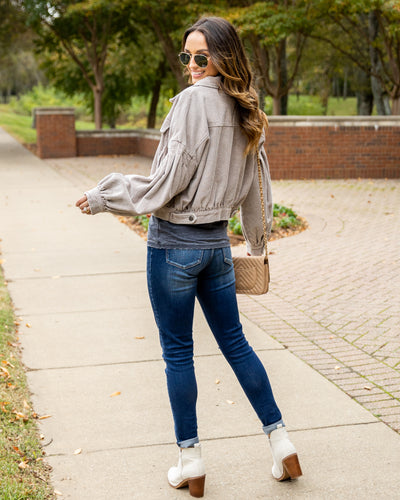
x: 262, y: 202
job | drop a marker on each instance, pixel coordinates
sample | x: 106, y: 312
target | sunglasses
x: 200, y: 59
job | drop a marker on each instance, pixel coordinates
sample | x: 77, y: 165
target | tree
x: 370, y: 38
x: 82, y: 31
x: 276, y: 32
x: 18, y: 68
x: 11, y: 22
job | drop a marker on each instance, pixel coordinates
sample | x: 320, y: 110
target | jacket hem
x: 198, y: 217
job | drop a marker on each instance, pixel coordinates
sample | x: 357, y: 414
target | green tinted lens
x: 201, y: 60
x: 184, y: 58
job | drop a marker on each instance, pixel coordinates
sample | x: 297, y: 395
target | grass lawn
x: 23, y: 473
x: 19, y: 126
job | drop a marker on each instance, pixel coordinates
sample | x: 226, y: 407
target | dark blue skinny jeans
x: 175, y: 278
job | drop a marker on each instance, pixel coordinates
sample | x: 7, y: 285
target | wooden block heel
x: 291, y: 467
x: 196, y: 486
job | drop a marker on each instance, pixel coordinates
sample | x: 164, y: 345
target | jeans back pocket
x: 184, y: 258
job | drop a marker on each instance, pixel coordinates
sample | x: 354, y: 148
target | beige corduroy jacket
x: 199, y: 173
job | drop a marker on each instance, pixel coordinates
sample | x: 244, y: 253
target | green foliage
x: 285, y: 217
x: 234, y: 225
x: 273, y: 21
x: 46, y: 96
x: 366, y: 32
x: 143, y: 221
x: 76, y: 39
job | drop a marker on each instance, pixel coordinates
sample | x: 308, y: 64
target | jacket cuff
x: 96, y: 202
x: 254, y: 251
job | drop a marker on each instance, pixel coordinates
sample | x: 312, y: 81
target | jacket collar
x: 209, y: 81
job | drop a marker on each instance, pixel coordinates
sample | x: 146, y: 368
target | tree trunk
x: 380, y: 98
x: 169, y: 51
x: 365, y: 103
x: 345, y: 83
x: 365, y: 98
x: 151, y: 117
x: 276, y: 105
x: 283, y: 77
x: 262, y: 94
x: 97, y: 94
x: 396, y: 106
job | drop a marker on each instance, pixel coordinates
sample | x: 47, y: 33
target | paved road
x: 94, y: 362
x: 335, y: 291
x: 342, y: 316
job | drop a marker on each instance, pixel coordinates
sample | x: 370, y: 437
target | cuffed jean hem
x: 188, y: 443
x: 271, y: 427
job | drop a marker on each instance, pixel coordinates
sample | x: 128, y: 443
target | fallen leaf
x: 217, y: 381
x: 230, y: 402
x: 42, y: 417
x: 28, y: 325
x: 58, y: 493
x: 20, y: 415
x: 366, y: 387
x: 5, y: 371
x: 117, y: 393
x: 337, y: 367
x: 139, y: 338
x: 78, y: 451
x: 3, y: 405
x: 23, y: 464
x: 21, y: 453
x: 7, y: 363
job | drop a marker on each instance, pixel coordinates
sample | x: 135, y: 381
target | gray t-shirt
x: 164, y: 234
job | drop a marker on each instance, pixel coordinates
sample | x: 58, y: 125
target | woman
x: 204, y: 168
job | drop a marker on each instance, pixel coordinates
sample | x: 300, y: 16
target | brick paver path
x: 334, y: 299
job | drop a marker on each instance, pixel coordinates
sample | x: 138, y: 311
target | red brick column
x: 55, y: 129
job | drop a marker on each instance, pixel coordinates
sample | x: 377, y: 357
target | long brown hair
x: 229, y: 58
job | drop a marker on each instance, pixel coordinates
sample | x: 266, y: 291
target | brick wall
x: 55, y: 129
x: 297, y: 147
x: 122, y: 142
x: 329, y: 147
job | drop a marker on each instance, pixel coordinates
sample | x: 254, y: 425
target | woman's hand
x: 83, y: 205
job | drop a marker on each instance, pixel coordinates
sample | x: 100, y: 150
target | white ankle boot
x: 189, y: 471
x: 286, y: 463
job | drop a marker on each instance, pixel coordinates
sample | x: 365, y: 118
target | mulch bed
x: 236, y: 239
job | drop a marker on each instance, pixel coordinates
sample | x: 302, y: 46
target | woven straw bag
x: 252, y: 273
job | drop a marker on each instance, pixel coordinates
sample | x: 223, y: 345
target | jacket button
x: 191, y: 218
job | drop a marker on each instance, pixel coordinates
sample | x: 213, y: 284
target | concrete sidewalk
x: 80, y: 283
